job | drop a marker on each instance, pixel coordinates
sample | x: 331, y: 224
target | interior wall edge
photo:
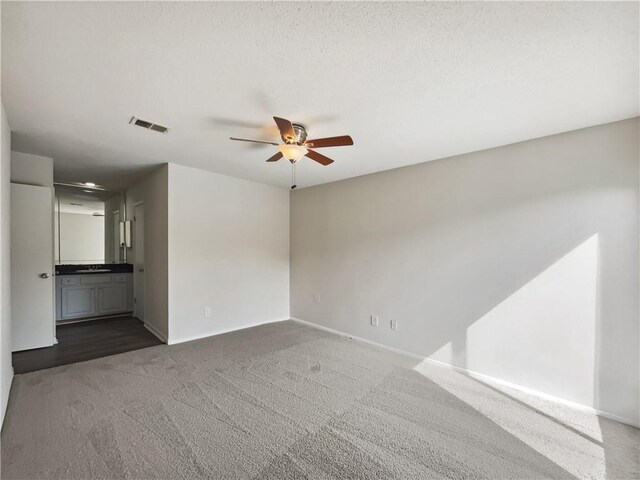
x: 152, y: 191
x: 6, y: 367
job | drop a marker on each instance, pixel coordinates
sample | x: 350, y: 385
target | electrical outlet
x: 316, y: 298
x: 207, y: 312
x: 394, y: 324
x: 374, y: 320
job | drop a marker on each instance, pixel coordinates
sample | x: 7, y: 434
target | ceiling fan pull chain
x: 293, y: 175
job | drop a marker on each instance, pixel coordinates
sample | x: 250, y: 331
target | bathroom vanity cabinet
x: 93, y: 294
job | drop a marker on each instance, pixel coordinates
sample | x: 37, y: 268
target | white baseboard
x: 348, y: 335
x: 174, y: 341
x: 537, y: 393
x: 161, y: 336
x: 480, y: 376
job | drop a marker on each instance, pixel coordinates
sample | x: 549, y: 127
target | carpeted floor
x: 284, y: 401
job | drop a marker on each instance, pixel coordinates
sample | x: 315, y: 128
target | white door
x: 32, y: 312
x: 138, y: 266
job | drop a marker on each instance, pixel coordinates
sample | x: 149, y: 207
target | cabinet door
x: 112, y: 299
x: 78, y: 302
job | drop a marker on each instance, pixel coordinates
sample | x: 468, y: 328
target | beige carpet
x: 289, y: 401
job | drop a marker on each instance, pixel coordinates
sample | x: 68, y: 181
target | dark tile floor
x: 82, y: 341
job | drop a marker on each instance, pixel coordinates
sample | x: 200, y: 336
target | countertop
x: 94, y: 269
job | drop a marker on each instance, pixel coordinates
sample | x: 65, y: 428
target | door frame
x: 135, y: 270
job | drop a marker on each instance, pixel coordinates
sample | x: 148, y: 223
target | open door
x: 32, y: 312
x: 138, y: 268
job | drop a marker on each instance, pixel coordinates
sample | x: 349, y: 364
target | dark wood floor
x: 78, y: 342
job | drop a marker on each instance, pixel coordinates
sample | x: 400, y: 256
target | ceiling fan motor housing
x: 301, y: 134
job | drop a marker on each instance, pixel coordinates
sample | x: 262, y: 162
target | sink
x: 99, y: 270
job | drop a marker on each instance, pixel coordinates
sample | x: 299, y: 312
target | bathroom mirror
x: 87, y: 225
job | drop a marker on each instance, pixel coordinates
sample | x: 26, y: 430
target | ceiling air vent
x: 148, y: 125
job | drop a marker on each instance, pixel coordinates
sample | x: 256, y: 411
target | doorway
x: 93, y: 314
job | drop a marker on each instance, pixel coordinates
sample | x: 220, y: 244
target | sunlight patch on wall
x: 544, y: 333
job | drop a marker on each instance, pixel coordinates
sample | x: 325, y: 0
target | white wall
x: 152, y: 190
x: 6, y: 369
x: 31, y: 169
x: 228, y: 250
x: 82, y: 238
x: 519, y: 262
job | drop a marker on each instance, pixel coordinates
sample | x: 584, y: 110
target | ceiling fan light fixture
x: 296, y: 144
x: 292, y: 152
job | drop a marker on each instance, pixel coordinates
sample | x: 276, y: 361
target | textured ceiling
x: 410, y: 82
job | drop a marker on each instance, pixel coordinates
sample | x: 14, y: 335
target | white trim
x: 353, y: 337
x: 537, y: 393
x: 471, y: 373
x: 173, y: 341
x: 156, y: 332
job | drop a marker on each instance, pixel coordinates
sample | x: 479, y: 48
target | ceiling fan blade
x: 286, y: 128
x: 252, y: 141
x: 318, y: 157
x: 275, y: 158
x: 342, y: 141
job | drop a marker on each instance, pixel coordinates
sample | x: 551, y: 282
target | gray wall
x: 6, y: 369
x: 153, y: 191
x: 519, y: 262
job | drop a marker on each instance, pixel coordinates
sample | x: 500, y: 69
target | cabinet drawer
x: 96, y: 278
x: 69, y: 280
x: 119, y: 278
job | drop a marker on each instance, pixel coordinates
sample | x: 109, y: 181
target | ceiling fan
x: 296, y: 145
